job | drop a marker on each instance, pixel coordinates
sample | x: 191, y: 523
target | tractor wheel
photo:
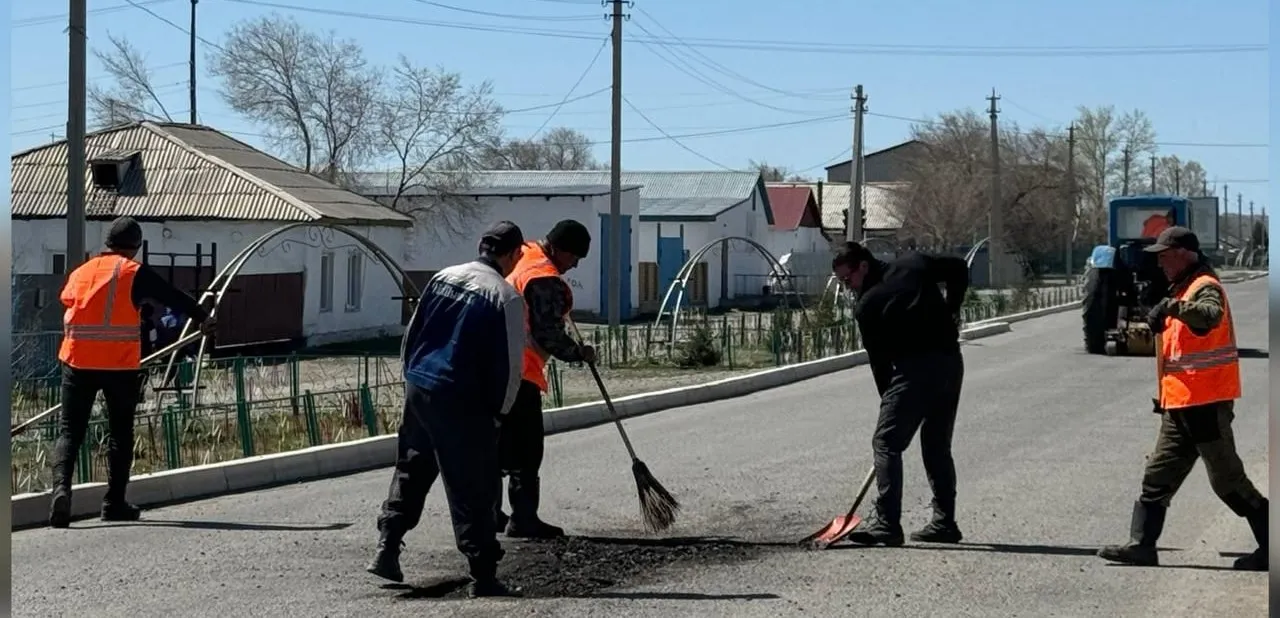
x: 1096, y: 306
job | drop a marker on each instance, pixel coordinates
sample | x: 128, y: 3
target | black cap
x: 124, y: 233
x: 570, y: 236
x: 1175, y: 237
x: 501, y: 238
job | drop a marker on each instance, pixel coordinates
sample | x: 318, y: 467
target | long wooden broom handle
x: 608, y: 403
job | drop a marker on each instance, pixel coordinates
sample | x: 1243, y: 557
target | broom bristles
x: 657, y: 505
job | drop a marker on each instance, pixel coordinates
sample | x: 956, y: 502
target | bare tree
x: 561, y: 148
x: 1175, y: 176
x: 1098, y: 141
x: 434, y: 128
x: 948, y: 201
x: 314, y: 95
x: 132, y: 95
x: 1137, y: 134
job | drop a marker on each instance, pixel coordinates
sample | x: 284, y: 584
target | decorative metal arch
x: 319, y: 233
x: 686, y: 271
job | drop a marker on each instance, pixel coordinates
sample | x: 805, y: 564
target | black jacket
x: 902, y: 313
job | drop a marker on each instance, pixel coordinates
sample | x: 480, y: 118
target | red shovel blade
x: 839, y: 528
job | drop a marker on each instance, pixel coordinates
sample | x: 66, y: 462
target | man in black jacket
x: 911, y: 335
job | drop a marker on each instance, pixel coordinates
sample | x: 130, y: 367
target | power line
x: 847, y: 151
x: 1078, y: 138
x: 791, y: 46
x: 64, y: 82
x: 603, y: 44
x: 675, y: 140
x: 61, y: 18
x: 509, y: 15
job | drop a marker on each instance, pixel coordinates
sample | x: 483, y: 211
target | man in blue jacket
x: 462, y: 356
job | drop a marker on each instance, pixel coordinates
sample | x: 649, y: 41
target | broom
x: 657, y: 506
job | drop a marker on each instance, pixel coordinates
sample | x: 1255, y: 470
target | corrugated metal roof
x: 553, y: 191
x: 689, y: 195
x: 878, y: 201
x: 188, y: 172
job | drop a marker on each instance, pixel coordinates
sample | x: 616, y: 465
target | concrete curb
x: 186, y: 484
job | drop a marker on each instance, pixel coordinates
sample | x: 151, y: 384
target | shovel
x: 841, y: 526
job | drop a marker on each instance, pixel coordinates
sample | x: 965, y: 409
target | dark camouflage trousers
x: 1200, y: 432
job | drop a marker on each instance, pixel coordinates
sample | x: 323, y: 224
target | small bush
x: 701, y: 349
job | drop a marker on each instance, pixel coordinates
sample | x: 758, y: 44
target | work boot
x: 876, y: 531
x: 502, y: 520
x: 524, y: 522
x: 120, y: 511
x: 386, y: 563
x: 60, y: 508
x: 484, y: 581
x: 943, y: 528
x: 1257, y: 561
x: 1144, y: 531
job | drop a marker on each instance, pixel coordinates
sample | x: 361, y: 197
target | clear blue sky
x: 1211, y: 98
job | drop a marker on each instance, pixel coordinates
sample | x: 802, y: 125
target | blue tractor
x: 1122, y: 282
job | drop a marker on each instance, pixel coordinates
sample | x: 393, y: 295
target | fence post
x: 293, y: 383
x: 313, y: 423
x: 243, y: 416
x: 172, y: 437
x: 366, y: 408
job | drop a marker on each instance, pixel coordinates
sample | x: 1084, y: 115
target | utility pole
x: 615, y: 176
x: 78, y: 58
x: 1204, y: 189
x: 1240, y: 218
x: 1071, y: 197
x: 995, y: 218
x: 1153, y: 174
x: 193, y: 62
x: 1125, y: 185
x: 853, y: 223
x: 1177, y: 181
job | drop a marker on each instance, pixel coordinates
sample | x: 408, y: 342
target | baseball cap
x: 501, y: 238
x: 1175, y: 237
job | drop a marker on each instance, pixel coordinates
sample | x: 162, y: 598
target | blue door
x: 671, y: 256
x: 624, y: 303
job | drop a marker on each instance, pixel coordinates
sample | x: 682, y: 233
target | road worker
x: 548, y: 300
x: 102, y: 351
x: 1198, y: 381
x: 462, y: 358
x: 911, y: 335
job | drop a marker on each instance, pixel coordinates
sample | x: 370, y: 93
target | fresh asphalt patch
x: 598, y: 566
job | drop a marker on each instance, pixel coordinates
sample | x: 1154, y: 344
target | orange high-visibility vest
x: 534, y: 264
x: 1196, y: 370
x: 101, y: 329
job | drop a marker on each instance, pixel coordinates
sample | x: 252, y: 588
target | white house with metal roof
x: 536, y: 209
x: 679, y: 213
x: 195, y: 190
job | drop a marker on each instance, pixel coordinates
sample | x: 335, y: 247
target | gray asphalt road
x: 1050, y: 446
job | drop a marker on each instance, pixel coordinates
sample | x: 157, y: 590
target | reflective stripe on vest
x: 101, y: 327
x: 1196, y: 370
x: 534, y: 264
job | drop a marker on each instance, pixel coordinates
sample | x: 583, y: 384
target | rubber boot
x: 876, y: 531
x: 484, y: 580
x: 114, y: 505
x: 524, y: 522
x: 60, y: 508
x: 1257, y: 561
x: 386, y: 562
x: 500, y: 518
x: 943, y: 528
x: 1144, y: 531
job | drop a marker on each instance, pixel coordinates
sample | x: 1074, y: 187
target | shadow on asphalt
x: 1254, y: 353
x: 1192, y: 567
x: 1001, y: 548
x: 683, y: 596
x: 224, y: 525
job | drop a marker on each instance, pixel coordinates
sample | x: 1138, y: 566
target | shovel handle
x: 862, y: 492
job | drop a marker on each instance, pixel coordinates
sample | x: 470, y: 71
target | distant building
x: 890, y: 164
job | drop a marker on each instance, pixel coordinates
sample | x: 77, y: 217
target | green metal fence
x: 252, y: 406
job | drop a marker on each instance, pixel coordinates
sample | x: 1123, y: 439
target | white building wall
x: 374, y: 313
x: 433, y: 248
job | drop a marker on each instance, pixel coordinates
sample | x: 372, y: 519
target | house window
x: 326, y: 281
x: 649, y: 292
x: 355, y: 280
x: 59, y: 265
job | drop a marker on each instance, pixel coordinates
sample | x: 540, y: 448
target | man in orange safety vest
x: 1198, y: 373
x: 101, y: 350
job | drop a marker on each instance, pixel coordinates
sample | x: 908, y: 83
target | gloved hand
x: 1155, y: 406
x: 1155, y: 317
